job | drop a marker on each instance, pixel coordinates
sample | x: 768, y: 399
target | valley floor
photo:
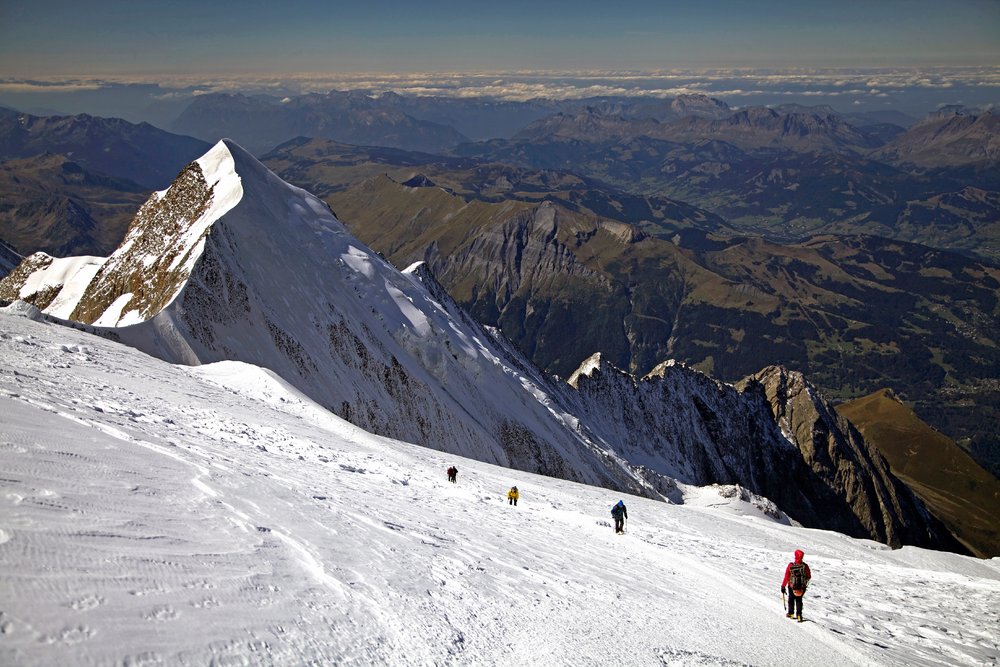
x: 153, y: 514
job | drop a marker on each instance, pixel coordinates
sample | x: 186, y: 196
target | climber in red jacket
x: 797, y: 576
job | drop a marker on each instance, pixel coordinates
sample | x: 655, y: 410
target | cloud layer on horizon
x: 526, y: 85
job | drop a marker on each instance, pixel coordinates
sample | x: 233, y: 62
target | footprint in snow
x: 160, y: 613
x: 87, y: 602
x: 70, y: 635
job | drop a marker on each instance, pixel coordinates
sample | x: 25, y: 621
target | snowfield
x: 157, y: 514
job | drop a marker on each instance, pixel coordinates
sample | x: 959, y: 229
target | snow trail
x: 155, y: 514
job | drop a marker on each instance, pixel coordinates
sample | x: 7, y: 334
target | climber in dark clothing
x: 620, y: 514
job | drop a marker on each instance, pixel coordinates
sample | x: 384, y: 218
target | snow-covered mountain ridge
x: 232, y: 263
x: 772, y: 434
x: 159, y: 514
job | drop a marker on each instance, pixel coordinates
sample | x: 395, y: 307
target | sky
x: 61, y: 37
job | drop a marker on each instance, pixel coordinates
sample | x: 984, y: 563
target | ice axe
x: 783, y: 603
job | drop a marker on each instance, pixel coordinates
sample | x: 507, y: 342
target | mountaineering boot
x: 799, y: 618
x: 790, y: 615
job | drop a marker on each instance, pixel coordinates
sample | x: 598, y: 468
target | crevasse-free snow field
x: 156, y: 514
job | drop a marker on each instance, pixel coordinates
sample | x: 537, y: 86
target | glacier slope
x: 152, y: 513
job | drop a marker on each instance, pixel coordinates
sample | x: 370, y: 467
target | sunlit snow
x: 71, y: 274
x: 159, y: 514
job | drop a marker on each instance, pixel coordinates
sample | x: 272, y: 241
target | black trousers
x: 794, y: 603
x: 513, y: 501
x: 619, y: 524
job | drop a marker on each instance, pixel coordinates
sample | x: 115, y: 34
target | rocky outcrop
x: 772, y: 434
x: 152, y: 264
x: 837, y: 457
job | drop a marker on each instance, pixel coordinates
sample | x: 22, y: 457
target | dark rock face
x: 419, y: 181
x: 9, y: 258
x: 840, y: 459
x: 155, y: 233
x: 773, y: 434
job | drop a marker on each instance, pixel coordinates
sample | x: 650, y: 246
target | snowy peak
x: 167, y: 237
x: 590, y: 367
x: 232, y: 263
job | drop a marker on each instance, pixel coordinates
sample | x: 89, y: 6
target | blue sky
x: 57, y: 37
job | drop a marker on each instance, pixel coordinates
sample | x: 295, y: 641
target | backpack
x: 797, y: 576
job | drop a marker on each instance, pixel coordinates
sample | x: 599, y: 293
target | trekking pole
x: 784, y: 604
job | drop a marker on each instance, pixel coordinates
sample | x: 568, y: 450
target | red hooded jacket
x: 799, y: 555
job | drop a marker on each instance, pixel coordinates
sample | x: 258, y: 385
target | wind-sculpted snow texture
x: 160, y: 514
x: 773, y: 435
x: 232, y: 263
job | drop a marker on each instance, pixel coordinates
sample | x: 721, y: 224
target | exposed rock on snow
x: 49, y: 282
x: 232, y: 263
x: 772, y: 435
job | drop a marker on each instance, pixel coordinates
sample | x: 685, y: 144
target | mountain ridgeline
x: 232, y: 263
x: 562, y: 278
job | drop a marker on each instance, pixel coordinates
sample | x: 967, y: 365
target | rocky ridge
x: 772, y: 434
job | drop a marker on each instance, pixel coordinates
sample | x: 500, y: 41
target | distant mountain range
x: 262, y: 122
x: 54, y: 205
x: 111, y: 146
x: 747, y: 129
x: 785, y: 172
x: 70, y: 184
x: 231, y: 263
x: 947, y: 138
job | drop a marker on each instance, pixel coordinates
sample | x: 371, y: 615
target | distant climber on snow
x: 453, y: 474
x: 512, y: 495
x: 620, y: 515
x: 797, y: 576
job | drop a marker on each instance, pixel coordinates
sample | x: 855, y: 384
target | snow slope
x: 232, y: 263
x: 158, y: 514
